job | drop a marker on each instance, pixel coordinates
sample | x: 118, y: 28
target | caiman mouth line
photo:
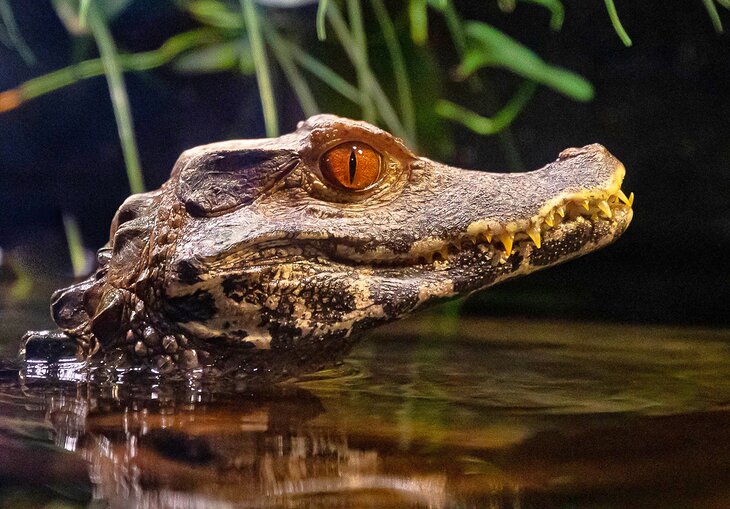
x: 482, y: 235
x: 608, y: 204
x: 503, y: 240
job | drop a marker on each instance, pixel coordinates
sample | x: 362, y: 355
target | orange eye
x: 353, y: 166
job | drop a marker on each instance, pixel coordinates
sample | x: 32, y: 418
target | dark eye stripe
x: 353, y: 165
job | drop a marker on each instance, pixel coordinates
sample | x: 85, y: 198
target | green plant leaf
x: 224, y: 56
x: 214, y: 13
x: 489, y: 47
x: 616, y: 22
x: 439, y: 5
x: 419, y: 21
x: 714, y: 15
x: 263, y: 74
x: 118, y: 93
x: 293, y: 74
x: 557, y: 12
x: 74, y: 13
x: 76, y: 250
x: 488, y: 125
x: 321, y: 20
x: 10, y: 34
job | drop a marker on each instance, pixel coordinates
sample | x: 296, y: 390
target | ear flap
x: 216, y: 182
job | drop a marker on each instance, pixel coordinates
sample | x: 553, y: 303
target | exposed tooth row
x: 506, y: 237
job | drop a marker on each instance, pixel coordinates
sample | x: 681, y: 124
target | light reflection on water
x: 500, y: 414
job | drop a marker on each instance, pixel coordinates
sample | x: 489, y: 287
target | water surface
x: 498, y: 413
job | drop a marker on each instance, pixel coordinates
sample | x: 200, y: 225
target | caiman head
x: 292, y: 245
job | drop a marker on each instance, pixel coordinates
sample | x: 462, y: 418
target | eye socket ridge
x: 352, y: 166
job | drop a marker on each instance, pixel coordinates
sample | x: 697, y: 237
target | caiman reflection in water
x: 180, y: 446
x: 536, y: 416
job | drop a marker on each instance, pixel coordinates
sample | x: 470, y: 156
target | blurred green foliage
x: 256, y: 38
x: 243, y: 37
x: 261, y: 39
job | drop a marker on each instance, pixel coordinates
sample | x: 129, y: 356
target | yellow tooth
x: 507, y: 239
x: 488, y: 236
x: 623, y: 197
x: 550, y: 220
x: 561, y: 211
x: 585, y: 205
x: 605, y: 208
x: 534, y: 234
x: 631, y: 200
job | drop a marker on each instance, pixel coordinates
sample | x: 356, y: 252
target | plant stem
x: 361, y: 48
x: 296, y: 80
x: 418, y: 13
x: 617, y: 26
x: 399, y: 67
x: 557, y: 12
x: 13, y: 36
x: 75, y: 245
x: 714, y: 15
x: 489, y: 125
x: 118, y: 93
x: 324, y: 73
x: 375, y: 91
x: 263, y: 77
x: 321, y: 18
x: 83, y: 12
x: 130, y: 62
x: 454, y: 24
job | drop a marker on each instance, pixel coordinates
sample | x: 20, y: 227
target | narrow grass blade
x: 143, y: 61
x: 617, y: 26
x: 489, y: 47
x: 557, y: 12
x: 489, y: 125
x: 453, y: 22
x: 263, y: 76
x: 325, y: 74
x: 321, y: 19
x: 291, y: 71
x: 75, y: 245
x: 373, y: 90
x: 361, y: 48
x: 118, y: 92
x: 418, y: 14
x: 84, y: 12
x: 213, y: 13
x: 218, y: 57
x: 714, y: 15
x: 14, y: 38
x: 400, y: 71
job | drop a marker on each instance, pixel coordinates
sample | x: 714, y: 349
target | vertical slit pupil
x: 353, y: 165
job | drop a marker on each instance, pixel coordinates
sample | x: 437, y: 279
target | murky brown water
x: 497, y: 414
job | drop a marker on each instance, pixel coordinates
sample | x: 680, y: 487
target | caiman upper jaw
x: 608, y: 204
x: 500, y: 213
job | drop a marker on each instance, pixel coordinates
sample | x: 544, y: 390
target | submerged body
x: 268, y: 257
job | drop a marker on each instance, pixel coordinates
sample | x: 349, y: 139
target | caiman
x: 269, y: 257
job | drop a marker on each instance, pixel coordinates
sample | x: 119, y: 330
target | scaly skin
x: 250, y: 259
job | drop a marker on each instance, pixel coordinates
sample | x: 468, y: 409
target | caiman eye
x: 354, y: 166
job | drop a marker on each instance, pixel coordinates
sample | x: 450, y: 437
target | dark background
x: 661, y: 106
